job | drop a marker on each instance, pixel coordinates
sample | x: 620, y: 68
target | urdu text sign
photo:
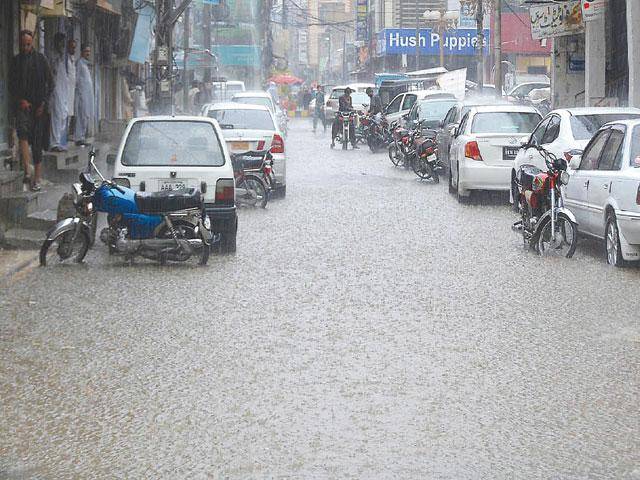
x: 556, y: 20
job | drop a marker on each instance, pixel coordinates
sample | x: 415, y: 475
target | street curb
x: 20, y: 267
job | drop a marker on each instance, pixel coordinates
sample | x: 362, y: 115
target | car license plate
x: 240, y: 146
x: 172, y: 185
x: 509, y: 153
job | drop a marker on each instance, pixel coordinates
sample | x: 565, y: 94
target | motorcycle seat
x: 168, y: 200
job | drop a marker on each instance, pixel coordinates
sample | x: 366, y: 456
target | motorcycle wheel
x: 371, y: 144
x: 421, y: 168
x: 256, y: 185
x: 65, y: 247
x: 394, y: 155
x: 565, y: 242
x: 185, y: 230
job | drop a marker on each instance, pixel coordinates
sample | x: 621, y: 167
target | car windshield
x: 584, y: 127
x: 264, y: 101
x: 337, y: 93
x: 360, y: 99
x: 430, y: 110
x: 505, y: 122
x: 232, y: 119
x: 172, y: 143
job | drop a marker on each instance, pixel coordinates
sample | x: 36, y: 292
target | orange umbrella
x: 286, y: 79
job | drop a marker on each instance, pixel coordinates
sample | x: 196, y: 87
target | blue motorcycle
x: 162, y: 226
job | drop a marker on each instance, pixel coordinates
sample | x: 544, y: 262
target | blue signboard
x: 462, y: 41
x: 141, y: 43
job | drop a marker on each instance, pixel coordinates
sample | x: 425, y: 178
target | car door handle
x: 605, y: 186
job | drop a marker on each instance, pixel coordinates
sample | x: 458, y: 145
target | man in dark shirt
x: 375, y: 104
x: 30, y: 86
x: 344, y: 105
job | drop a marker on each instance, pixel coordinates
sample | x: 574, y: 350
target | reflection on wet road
x: 368, y: 327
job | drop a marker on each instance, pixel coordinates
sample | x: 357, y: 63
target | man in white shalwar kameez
x: 71, y: 68
x: 84, y: 97
x: 60, y: 96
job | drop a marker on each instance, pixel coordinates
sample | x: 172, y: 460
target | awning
x: 47, y: 8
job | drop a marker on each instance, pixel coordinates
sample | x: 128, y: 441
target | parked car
x: 604, y: 190
x: 564, y: 131
x: 430, y: 111
x: 449, y: 123
x: 485, y: 146
x: 223, y: 91
x: 172, y: 153
x: 252, y: 128
x: 520, y: 91
x: 331, y: 105
x: 402, y: 103
x: 263, y: 98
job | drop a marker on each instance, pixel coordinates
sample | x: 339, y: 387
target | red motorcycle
x: 546, y: 225
x: 253, y: 172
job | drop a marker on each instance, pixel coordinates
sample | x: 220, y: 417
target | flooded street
x: 368, y: 327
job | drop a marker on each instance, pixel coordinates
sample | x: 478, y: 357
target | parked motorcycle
x: 546, y: 225
x: 254, y: 176
x: 163, y: 226
x: 426, y: 164
x: 377, y: 132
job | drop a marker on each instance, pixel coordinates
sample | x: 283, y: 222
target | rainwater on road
x: 368, y: 327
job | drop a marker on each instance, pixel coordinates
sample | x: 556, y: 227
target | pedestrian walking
x: 30, y: 87
x: 84, y: 97
x: 60, y: 96
x: 318, y: 113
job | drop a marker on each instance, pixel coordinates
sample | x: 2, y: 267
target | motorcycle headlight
x: 88, y: 208
x: 207, y: 222
x: 564, y: 178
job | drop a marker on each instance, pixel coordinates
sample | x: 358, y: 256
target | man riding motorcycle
x: 344, y: 105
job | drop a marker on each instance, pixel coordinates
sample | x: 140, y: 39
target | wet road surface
x: 368, y: 327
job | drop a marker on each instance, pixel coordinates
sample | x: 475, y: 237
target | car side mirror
x: 405, y: 116
x: 111, y: 159
x: 524, y: 142
x: 441, y: 124
x: 574, y: 164
x: 456, y: 132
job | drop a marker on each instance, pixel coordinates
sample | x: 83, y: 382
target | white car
x: 564, y: 132
x: 403, y: 102
x: 331, y: 105
x: 485, y: 146
x: 171, y: 153
x: 252, y: 127
x: 520, y: 91
x: 223, y: 91
x: 604, y: 190
x: 263, y: 98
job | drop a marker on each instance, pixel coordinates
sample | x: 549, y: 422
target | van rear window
x: 172, y: 143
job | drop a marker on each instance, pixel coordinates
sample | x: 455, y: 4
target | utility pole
x: 497, y: 46
x: 344, y: 58
x: 417, y: 38
x: 206, y: 36
x: 185, y: 47
x: 166, y: 17
x: 480, y: 45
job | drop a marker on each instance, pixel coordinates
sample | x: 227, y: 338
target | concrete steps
x: 23, y: 239
x: 16, y: 206
x: 42, y: 220
x: 10, y: 182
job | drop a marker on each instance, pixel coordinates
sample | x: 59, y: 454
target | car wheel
x: 612, y: 242
x: 460, y: 194
x: 452, y: 189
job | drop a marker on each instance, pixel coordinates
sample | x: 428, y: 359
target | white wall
x: 566, y: 87
x: 596, y: 62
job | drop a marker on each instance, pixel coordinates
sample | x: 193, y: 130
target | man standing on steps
x: 30, y: 86
x: 60, y: 97
x: 71, y: 63
x: 84, y: 96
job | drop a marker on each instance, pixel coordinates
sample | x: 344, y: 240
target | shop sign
x: 556, y: 20
x: 459, y: 42
x: 362, y: 8
x: 592, y: 10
